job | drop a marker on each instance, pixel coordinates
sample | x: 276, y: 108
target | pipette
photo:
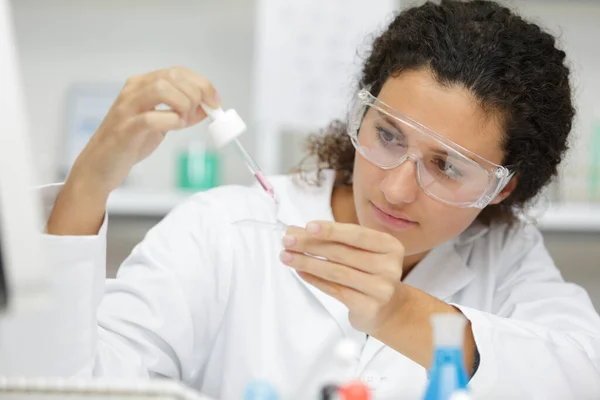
x: 255, y: 170
x: 263, y: 225
x: 225, y: 127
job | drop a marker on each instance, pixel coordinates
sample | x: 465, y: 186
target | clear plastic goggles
x: 445, y: 171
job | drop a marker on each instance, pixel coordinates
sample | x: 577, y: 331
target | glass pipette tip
x: 256, y: 171
x: 264, y: 225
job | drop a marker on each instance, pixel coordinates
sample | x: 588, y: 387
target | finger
x: 206, y: 92
x: 355, y: 235
x: 387, y: 265
x: 180, y: 79
x: 155, y: 121
x: 346, y: 295
x: 147, y: 78
x: 209, y: 94
x: 158, y: 92
x: 298, y: 240
x: 295, y: 230
x: 368, y: 284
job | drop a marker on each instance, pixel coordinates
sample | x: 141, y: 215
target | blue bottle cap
x: 260, y: 390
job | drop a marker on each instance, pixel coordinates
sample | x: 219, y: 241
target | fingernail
x: 217, y: 98
x: 183, y: 122
x: 313, y: 227
x: 285, y: 256
x: 289, y: 241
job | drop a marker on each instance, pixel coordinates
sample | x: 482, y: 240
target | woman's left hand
x: 361, y: 267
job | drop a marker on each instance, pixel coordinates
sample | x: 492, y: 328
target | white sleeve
x: 162, y: 312
x: 542, y: 340
x: 55, y: 340
x: 154, y: 319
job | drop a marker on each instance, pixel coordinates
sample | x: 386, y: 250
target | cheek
x: 366, y: 187
x: 444, y: 221
x: 365, y: 173
x: 366, y: 178
x: 438, y: 224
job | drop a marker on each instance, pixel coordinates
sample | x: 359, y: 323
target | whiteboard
x: 308, y: 55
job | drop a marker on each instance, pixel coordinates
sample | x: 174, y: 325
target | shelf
x: 140, y: 203
x: 576, y: 217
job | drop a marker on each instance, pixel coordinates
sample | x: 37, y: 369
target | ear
x: 508, y: 189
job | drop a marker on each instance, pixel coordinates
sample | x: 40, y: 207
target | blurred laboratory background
x: 287, y: 67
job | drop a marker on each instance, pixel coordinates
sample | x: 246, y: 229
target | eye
x: 446, y: 169
x: 388, y: 137
x: 385, y: 135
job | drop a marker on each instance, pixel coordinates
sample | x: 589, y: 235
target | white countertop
x: 579, y: 217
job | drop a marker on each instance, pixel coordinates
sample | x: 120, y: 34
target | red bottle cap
x: 355, y: 391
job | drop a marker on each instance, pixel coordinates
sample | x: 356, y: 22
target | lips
x: 394, y: 214
x: 392, y: 219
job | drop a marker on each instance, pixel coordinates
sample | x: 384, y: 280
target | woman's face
x: 386, y: 199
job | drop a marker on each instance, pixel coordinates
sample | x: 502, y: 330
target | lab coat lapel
x: 334, y: 307
x: 442, y: 273
x: 298, y: 209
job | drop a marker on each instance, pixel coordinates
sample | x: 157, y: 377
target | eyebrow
x: 442, y: 152
x: 392, y: 122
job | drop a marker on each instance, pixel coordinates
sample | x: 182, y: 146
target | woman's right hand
x: 130, y: 132
x: 133, y: 128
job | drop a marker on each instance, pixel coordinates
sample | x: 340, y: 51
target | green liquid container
x: 198, y: 168
x: 594, y: 174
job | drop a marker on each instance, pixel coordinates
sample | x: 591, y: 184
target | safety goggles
x: 445, y: 171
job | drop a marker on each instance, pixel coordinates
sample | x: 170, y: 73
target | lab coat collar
x: 308, y: 198
x: 472, y: 233
x: 443, y: 272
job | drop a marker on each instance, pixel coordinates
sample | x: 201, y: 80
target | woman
x: 461, y: 117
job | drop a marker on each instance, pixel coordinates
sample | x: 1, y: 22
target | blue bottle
x: 447, y: 374
x: 260, y: 390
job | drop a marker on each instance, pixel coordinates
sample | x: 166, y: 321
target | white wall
x: 62, y: 42
x: 577, y: 23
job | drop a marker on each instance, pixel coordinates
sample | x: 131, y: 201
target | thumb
x: 198, y: 116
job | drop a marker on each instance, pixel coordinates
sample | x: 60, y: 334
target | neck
x: 344, y: 211
x: 410, y: 262
x: 342, y: 205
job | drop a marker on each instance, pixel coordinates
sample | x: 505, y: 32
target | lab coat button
x: 371, y: 379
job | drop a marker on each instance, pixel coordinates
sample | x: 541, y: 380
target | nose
x: 400, y: 184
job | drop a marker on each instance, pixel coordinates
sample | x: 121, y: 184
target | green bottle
x: 594, y: 177
x: 198, y: 167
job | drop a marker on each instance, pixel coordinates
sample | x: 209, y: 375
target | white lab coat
x: 210, y: 303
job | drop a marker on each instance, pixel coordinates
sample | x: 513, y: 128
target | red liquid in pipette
x: 264, y: 182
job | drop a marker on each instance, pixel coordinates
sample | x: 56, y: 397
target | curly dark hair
x: 510, y: 65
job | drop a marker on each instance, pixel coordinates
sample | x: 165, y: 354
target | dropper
x: 225, y: 127
x: 255, y: 170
